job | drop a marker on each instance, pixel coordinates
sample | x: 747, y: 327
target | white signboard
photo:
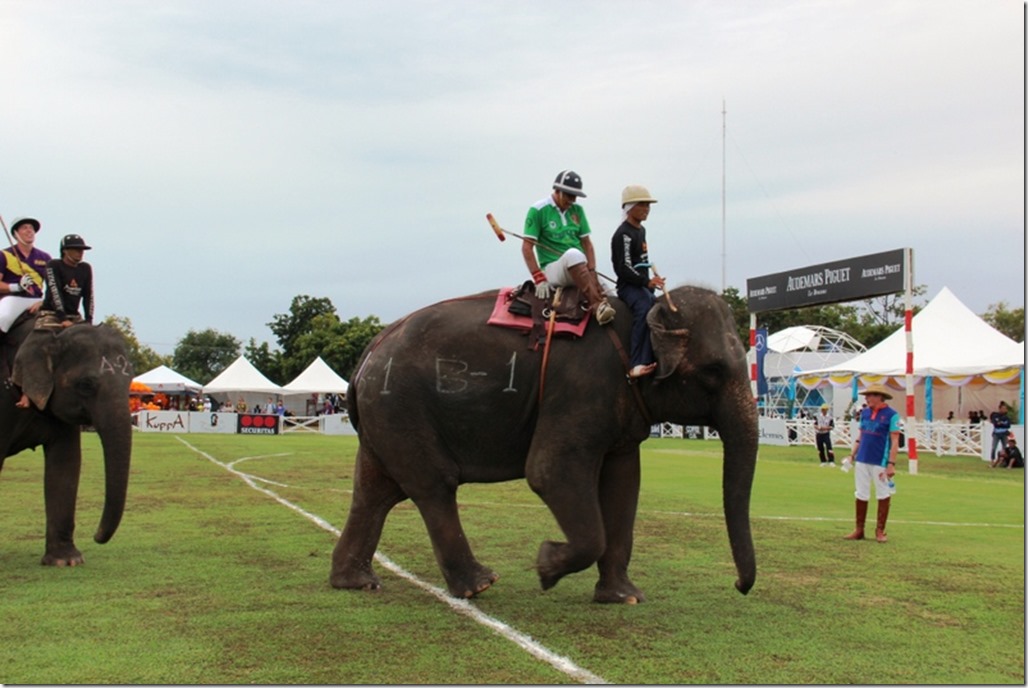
x: 773, y: 431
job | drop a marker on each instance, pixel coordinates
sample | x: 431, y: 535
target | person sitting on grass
x: 1009, y: 457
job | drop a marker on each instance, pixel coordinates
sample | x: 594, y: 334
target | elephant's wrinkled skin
x: 78, y: 377
x: 440, y: 399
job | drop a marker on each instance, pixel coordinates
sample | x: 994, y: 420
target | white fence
x: 243, y: 424
x: 935, y: 437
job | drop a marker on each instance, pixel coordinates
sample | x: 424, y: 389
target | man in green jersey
x: 562, y: 253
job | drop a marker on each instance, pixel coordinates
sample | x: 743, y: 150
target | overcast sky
x: 224, y: 156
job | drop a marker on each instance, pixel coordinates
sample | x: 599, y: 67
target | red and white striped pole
x: 908, y: 319
x: 753, y: 366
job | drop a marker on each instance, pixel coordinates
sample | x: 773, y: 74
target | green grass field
x: 210, y: 580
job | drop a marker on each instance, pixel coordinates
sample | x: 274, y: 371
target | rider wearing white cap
x: 21, y: 273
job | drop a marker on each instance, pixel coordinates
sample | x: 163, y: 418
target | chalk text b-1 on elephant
x: 440, y: 399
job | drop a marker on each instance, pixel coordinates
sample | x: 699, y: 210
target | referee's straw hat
x: 878, y: 389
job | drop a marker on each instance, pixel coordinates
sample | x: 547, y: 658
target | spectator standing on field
x: 874, y: 459
x: 1000, y: 428
x: 823, y: 424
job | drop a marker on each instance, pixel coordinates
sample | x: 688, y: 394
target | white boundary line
x: 525, y: 642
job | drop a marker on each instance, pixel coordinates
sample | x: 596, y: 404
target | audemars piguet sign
x: 843, y: 280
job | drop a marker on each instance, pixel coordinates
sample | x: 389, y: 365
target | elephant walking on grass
x: 440, y: 399
x: 74, y: 377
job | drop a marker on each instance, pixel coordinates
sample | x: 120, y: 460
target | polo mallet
x: 500, y: 231
x: 656, y: 274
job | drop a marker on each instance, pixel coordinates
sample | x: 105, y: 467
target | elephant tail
x: 351, y: 403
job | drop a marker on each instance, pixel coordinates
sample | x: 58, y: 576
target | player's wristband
x: 538, y: 276
x: 14, y: 287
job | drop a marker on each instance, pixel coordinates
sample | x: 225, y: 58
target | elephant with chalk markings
x: 73, y: 377
x: 440, y: 398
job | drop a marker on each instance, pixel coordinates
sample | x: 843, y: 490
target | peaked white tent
x: 318, y: 378
x: 164, y: 379
x: 241, y: 376
x: 949, y: 340
x: 976, y: 364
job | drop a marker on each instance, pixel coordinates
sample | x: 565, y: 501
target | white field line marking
x: 525, y: 642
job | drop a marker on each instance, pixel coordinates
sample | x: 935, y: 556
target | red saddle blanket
x: 504, y: 318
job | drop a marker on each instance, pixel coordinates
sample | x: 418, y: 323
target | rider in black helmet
x: 563, y: 254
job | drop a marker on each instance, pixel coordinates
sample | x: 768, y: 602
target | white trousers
x: 11, y: 307
x: 865, y: 475
x: 558, y: 272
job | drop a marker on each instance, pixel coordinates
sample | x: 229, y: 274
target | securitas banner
x: 257, y: 424
x: 843, y: 280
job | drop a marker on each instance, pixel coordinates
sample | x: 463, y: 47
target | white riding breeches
x: 558, y: 273
x: 11, y: 307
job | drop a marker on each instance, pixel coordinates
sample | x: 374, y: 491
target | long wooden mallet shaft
x: 500, y: 231
x: 664, y: 289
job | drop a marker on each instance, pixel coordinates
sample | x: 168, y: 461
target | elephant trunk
x: 116, y: 438
x: 738, y: 430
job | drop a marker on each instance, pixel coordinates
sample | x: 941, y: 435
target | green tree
x: 202, y: 355
x: 299, y: 321
x: 1009, y: 322
x: 143, y: 357
x: 265, y: 360
x: 339, y: 344
x: 868, y: 321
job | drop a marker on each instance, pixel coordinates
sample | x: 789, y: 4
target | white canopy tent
x: 242, y: 379
x: 318, y: 378
x: 951, y: 344
x: 793, y: 349
x: 164, y: 379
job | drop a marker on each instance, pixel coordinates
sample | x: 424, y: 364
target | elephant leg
x: 63, y: 466
x: 570, y: 492
x: 374, y: 496
x: 619, y: 500
x: 465, y: 577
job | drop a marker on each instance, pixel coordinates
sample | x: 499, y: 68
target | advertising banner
x: 200, y: 421
x: 257, y: 424
x: 163, y: 421
x: 842, y: 280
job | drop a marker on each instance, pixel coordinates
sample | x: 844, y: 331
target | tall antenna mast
x: 724, y: 283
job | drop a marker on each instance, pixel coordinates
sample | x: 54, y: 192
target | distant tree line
x: 313, y: 328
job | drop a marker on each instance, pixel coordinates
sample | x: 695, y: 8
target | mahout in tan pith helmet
x: 635, y: 193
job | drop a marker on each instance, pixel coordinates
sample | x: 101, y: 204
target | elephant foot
x: 552, y: 563
x: 620, y: 593
x: 73, y: 558
x: 355, y: 580
x: 479, y: 580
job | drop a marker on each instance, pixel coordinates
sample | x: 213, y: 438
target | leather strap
x: 635, y: 388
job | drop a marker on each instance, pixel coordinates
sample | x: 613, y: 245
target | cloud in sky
x: 224, y: 157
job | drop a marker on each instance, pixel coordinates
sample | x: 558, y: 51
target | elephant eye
x: 86, y: 386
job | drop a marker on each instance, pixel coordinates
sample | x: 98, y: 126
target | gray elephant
x: 440, y: 399
x: 77, y: 376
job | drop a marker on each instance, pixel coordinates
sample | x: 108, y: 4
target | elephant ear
x: 670, y: 344
x: 34, y: 366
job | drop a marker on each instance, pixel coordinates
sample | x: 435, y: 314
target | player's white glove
x: 25, y: 282
x: 542, y: 287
